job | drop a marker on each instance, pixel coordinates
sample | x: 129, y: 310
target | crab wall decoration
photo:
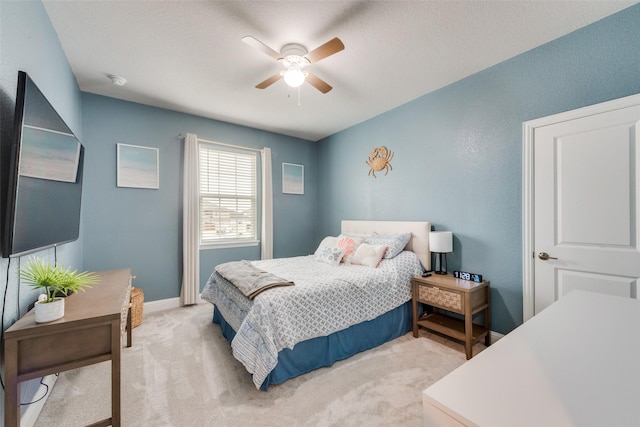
x: 379, y: 159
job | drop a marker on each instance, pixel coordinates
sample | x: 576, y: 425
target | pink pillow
x: 350, y: 244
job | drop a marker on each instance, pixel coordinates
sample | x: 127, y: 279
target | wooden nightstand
x: 457, y: 296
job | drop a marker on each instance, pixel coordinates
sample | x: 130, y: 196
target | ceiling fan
x: 295, y: 59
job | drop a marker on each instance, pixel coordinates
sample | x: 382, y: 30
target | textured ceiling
x: 188, y: 55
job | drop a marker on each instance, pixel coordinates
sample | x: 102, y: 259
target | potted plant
x: 57, y: 283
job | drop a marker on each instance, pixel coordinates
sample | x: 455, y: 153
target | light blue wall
x: 29, y: 43
x: 458, y: 151
x: 457, y: 158
x: 141, y: 228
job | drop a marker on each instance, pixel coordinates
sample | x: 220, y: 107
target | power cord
x: 43, y: 396
x: 18, y: 299
x: 4, y: 305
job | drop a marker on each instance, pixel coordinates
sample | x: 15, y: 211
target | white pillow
x: 327, y: 242
x: 369, y: 255
x: 394, y: 243
x: 331, y: 256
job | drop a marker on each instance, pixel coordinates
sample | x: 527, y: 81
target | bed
x: 332, y: 311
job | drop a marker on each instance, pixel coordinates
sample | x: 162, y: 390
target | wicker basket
x: 137, y: 301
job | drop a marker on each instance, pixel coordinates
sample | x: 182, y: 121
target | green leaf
x: 55, y: 280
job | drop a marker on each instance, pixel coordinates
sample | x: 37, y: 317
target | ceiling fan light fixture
x: 294, y: 76
x: 295, y: 57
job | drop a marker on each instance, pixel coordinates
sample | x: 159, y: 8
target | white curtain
x: 267, y: 205
x: 190, y: 291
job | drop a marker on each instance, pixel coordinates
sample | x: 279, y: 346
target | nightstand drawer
x: 440, y: 297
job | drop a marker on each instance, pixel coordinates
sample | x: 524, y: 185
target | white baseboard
x: 161, y: 305
x: 165, y: 304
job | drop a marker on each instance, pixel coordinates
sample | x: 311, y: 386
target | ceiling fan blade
x: 329, y: 48
x: 268, y: 82
x: 254, y: 42
x: 318, y: 83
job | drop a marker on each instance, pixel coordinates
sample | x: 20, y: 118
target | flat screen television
x: 42, y: 175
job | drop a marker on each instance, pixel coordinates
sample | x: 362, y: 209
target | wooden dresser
x: 90, y: 332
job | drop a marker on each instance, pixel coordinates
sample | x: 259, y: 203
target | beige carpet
x: 180, y: 372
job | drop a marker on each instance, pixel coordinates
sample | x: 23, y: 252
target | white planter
x: 49, y: 311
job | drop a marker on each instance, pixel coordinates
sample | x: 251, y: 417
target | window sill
x: 229, y: 244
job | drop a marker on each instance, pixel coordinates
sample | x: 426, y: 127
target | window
x: 228, y: 202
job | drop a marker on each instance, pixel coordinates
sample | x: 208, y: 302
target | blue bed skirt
x: 323, y: 351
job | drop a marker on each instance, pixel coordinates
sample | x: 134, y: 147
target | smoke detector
x: 117, y: 80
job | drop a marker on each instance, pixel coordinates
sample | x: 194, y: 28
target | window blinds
x: 228, y: 200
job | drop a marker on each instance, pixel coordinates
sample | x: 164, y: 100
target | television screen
x: 43, y: 176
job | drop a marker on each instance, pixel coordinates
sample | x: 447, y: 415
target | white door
x: 583, y: 190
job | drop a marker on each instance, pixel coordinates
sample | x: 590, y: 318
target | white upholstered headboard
x: 419, y: 243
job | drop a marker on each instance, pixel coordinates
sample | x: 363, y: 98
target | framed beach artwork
x: 137, y: 167
x: 292, y: 178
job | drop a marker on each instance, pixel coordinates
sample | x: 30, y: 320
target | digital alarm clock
x: 473, y: 277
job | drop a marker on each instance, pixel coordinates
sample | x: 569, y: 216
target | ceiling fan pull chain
x: 298, y: 96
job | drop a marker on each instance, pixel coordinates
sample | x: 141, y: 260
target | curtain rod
x: 181, y: 136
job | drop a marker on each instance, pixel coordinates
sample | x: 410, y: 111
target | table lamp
x: 440, y: 243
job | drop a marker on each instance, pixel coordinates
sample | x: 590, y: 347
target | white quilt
x: 325, y: 299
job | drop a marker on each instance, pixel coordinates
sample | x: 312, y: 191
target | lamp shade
x: 441, y: 241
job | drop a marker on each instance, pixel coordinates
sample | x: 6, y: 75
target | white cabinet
x: 573, y: 364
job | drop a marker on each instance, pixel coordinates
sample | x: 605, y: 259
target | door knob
x: 545, y: 256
